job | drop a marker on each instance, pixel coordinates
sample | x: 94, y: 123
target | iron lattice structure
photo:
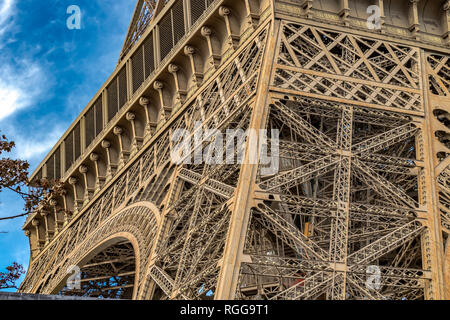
x: 364, y: 167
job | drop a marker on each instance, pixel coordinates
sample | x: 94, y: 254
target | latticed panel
x: 357, y: 210
x: 57, y: 156
x: 93, y: 122
x: 123, y: 97
x: 77, y: 141
x: 89, y: 126
x: 140, y: 22
x: 324, y: 60
x: 54, y: 165
x: 112, y: 99
x: 171, y: 28
x: 98, y: 116
x: 51, y: 168
x: 178, y: 21
x: 166, y: 34
x: 443, y: 181
x: 149, y: 56
x: 439, y: 74
x: 137, y: 65
x: 197, y: 9
x: 69, y: 153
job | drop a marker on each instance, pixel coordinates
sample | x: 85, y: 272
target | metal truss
x: 345, y: 198
x: 359, y: 206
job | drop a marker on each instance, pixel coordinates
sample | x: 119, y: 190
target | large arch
x: 135, y: 225
x: 108, y: 271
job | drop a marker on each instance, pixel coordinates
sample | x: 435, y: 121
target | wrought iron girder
x: 382, y: 186
x: 183, y: 237
x: 204, y: 245
x: 385, y: 139
x: 211, y: 185
x: 313, y: 285
x: 290, y: 265
x: 301, y: 148
x: 162, y: 279
x: 289, y: 233
x: 386, y: 243
x: 300, y: 174
x: 357, y: 212
x: 303, y: 128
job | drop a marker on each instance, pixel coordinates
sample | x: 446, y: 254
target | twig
x: 14, y: 217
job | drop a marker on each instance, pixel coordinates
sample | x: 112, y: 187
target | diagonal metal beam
x: 301, y: 174
x: 214, y: 186
x: 289, y: 233
x: 385, y: 139
x: 303, y: 128
x: 312, y: 286
x: 385, y: 244
x: 381, y: 185
x: 162, y: 279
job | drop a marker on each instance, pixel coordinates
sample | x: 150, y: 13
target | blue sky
x: 48, y: 74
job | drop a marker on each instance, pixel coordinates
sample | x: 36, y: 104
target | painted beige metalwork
x: 364, y: 176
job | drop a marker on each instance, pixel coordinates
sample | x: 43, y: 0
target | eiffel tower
x: 354, y: 97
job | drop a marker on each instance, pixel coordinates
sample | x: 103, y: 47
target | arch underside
x: 129, y: 234
x: 110, y: 274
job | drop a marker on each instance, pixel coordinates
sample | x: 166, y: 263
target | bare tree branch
x: 13, y: 217
x: 9, y: 278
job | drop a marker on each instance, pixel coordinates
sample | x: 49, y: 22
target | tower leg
x: 231, y: 262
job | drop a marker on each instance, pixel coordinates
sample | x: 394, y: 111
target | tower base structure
x: 314, y: 161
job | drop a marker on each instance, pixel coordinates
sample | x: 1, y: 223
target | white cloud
x: 9, y: 98
x: 6, y: 7
x: 21, y: 79
x: 6, y: 13
x: 19, y: 86
x: 34, y: 148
